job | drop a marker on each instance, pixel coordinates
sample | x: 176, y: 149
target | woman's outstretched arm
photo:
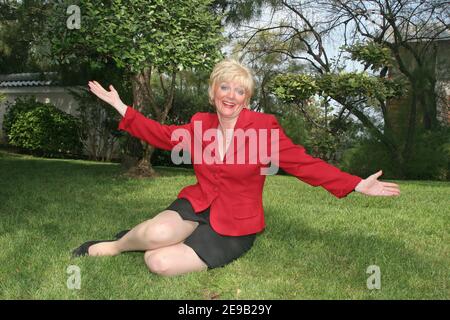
x: 139, y: 126
x: 294, y: 160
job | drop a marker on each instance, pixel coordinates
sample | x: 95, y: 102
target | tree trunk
x: 141, y: 98
x: 411, y: 130
x: 143, y: 168
x: 386, y: 138
x: 428, y: 102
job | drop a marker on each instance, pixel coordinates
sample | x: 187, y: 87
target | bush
x: 14, y: 109
x: 44, y: 129
x: 98, y: 126
x: 431, y: 156
x: 430, y: 159
x: 368, y: 157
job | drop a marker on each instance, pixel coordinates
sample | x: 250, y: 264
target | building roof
x: 15, y: 80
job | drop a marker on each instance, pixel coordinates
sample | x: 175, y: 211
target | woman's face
x: 229, y: 98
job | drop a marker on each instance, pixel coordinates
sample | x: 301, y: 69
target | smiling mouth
x: 228, y: 104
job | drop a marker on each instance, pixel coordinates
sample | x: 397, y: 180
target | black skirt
x: 214, y: 249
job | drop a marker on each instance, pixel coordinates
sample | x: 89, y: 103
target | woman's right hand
x: 110, y: 97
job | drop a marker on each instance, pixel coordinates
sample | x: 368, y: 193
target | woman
x: 216, y: 220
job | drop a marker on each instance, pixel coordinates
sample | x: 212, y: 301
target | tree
x: 21, y: 24
x: 379, y: 34
x: 409, y: 30
x: 150, y: 40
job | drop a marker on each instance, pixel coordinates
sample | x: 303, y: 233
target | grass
x: 315, y: 246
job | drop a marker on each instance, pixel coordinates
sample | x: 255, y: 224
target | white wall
x: 58, y: 96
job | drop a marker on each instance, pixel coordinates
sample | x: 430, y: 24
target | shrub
x: 98, y: 126
x: 430, y: 159
x: 366, y: 158
x: 14, y: 109
x: 431, y: 156
x: 45, y: 130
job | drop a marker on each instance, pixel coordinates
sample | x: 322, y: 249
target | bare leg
x: 165, y: 229
x: 174, y: 260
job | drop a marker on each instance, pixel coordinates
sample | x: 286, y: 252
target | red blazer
x: 234, y: 191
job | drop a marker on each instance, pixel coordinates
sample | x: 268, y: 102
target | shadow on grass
x: 21, y: 163
x: 33, y: 189
x: 339, y: 257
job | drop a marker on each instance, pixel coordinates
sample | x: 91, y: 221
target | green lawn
x: 315, y: 246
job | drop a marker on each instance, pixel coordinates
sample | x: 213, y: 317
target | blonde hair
x: 231, y: 70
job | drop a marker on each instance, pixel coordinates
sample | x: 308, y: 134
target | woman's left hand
x: 372, y: 187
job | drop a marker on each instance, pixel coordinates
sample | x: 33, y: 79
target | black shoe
x: 83, y: 250
x: 121, y: 234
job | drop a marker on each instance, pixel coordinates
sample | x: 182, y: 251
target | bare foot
x: 104, y: 249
